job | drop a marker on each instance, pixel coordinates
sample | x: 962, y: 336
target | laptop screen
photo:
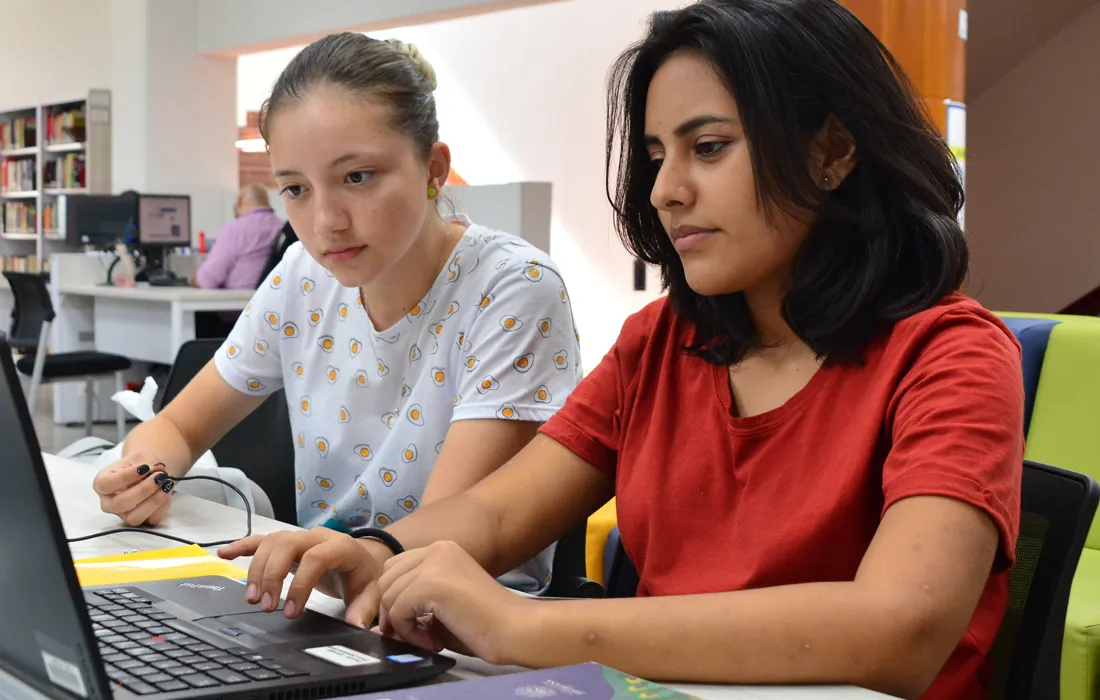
x: 45, y: 638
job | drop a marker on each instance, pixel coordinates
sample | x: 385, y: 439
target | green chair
x: 1065, y: 431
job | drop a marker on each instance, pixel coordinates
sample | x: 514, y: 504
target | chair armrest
x: 1080, y: 677
x: 600, y: 524
x: 574, y: 587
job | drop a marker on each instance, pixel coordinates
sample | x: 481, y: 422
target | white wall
x: 232, y: 27
x: 51, y: 51
x: 190, y: 122
x: 173, y: 123
x: 55, y: 50
x: 522, y: 97
x: 129, y: 73
x: 1031, y: 176
x: 256, y: 75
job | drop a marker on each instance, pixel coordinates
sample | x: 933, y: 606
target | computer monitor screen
x: 164, y: 220
x: 98, y: 220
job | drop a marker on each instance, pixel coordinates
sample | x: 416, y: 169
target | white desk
x: 205, y: 521
x: 150, y: 323
x: 146, y: 324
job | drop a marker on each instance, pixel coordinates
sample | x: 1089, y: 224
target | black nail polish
x: 159, y: 478
x: 143, y: 470
x: 167, y: 485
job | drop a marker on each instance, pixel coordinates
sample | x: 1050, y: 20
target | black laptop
x: 185, y: 638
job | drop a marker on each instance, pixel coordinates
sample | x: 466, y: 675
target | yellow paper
x: 157, y: 565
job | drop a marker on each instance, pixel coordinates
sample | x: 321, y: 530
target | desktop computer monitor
x: 164, y: 220
x: 99, y: 221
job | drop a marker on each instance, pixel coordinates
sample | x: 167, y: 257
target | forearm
x: 160, y: 437
x: 473, y: 450
x: 515, y: 512
x: 828, y: 633
x: 462, y: 520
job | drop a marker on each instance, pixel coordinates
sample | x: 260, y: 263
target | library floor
x: 53, y: 437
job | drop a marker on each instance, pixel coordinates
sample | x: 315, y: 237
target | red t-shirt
x: 708, y: 502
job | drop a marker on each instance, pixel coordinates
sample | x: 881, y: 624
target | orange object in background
x: 924, y: 37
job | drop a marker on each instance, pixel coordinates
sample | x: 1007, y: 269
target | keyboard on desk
x: 144, y: 651
x: 169, y: 282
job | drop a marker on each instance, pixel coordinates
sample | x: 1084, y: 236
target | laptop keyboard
x: 145, y: 652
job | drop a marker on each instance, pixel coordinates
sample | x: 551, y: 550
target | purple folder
x: 589, y: 681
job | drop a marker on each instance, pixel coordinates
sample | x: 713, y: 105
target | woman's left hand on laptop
x: 437, y: 597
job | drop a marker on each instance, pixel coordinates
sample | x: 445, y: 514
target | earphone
x: 147, y: 531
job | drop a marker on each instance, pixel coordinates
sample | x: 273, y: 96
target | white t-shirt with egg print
x: 493, y: 338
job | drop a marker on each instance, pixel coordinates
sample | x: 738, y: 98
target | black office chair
x: 286, y: 238
x: 622, y: 577
x: 31, y: 318
x: 570, y: 578
x: 261, y: 445
x: 1057, y: 510
x: 218, y: 324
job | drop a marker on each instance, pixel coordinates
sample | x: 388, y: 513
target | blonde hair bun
x: 421, y: 63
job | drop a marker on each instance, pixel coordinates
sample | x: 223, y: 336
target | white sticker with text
x: 342, y: 656
x: 64, y: 674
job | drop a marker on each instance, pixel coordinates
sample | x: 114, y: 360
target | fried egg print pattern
x: 492, y: 338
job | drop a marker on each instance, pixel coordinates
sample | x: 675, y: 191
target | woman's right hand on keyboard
x: 136, y: 488
x: 329, y: 561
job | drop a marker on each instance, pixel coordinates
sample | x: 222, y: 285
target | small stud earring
x: 826, y: 183
x: 432, y: 193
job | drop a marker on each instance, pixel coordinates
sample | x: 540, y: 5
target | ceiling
x: 1003, y: 32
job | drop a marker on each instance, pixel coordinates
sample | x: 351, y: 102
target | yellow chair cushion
x: 600, y: 525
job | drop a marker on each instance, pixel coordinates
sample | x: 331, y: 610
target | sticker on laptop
x: 404, y: 658
x: 64, y: 674
x: 342, y: 656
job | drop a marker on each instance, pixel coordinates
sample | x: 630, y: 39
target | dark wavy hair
x: 882, y: 246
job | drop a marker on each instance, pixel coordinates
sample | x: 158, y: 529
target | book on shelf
x: 18, y: 217
x: 23, y: 263
x: 65, y: 125
x: 20, y: 132
x: 68, y: 171
x: 17, y: 175
x: 51, y: 217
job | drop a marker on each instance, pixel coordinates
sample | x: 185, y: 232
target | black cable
x: 146, y: 531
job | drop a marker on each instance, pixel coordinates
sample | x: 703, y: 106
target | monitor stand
x: 153, y: 263
x: 152, y: 267
x: 149, y: 263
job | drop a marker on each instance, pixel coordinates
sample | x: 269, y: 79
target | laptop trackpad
x: 196, y: 598
x: 254, y: 630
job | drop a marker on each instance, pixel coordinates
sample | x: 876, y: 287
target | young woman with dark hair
x: 815, y: 440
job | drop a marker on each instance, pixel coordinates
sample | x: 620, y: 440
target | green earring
x: 432, y: 193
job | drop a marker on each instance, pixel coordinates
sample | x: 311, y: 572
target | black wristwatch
x: 374, y: 533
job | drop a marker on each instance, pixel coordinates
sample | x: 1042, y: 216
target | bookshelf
x: 47, y: 152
